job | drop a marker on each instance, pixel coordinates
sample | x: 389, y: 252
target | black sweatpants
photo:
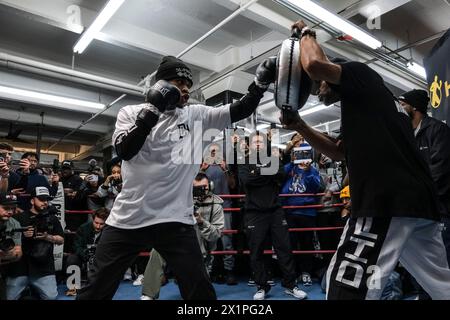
x: 176, y: 242
x: 302, y: 241
x: 2, y: 288
x: 259, y: 225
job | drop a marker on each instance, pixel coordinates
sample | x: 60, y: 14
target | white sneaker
x: 127, y: 276
x: 296, y: 293
x: 139, y: 280
x: 259, y: 295
x: 144, y: 297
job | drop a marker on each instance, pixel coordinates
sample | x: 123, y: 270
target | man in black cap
x: 395, y: 207
x: 159, y: 142
x: 37, y: 266
x: 433, y: 139
x: 10, y: 241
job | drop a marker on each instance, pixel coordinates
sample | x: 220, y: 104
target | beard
x: 41, y: 209
x: 410, y: 113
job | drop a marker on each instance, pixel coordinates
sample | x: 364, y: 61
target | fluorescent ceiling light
x: 102, y: 19
x: 262, y: 126
x: 288, y: 134
x: 318, y: 108
x: 49, y: 99
x: 417, y: 69
x: 281, y: 146
x: 335, y: 21
x: 326, y: 123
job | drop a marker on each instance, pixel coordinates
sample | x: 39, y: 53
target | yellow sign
x: 436, y: 93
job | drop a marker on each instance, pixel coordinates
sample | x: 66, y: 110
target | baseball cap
x: 7, y: 199
x: 67, y: 164
x: 41, y: 193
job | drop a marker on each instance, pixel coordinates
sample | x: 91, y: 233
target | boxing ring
x: 232, y: 232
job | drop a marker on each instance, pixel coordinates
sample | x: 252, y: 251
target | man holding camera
x: 10, y: 240
x: 155, y: 206
x: 86, y: 239
x: 302, y: 178
x: 209, y: 215
x: 391, y: 221
x: 37, y: 266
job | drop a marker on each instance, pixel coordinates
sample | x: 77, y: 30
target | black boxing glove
x: 265, y: 73
x: 163, y: 95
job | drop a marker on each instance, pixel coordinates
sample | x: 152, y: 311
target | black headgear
x: 173, y: 68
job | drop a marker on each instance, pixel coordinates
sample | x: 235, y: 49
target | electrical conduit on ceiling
x: 206, y: 35
x: 23, y: 64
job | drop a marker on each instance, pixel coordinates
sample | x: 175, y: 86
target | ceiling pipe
x: 206, y: 35
x: 413, y: 44
x: 23, y: 64
x: 83, y: 123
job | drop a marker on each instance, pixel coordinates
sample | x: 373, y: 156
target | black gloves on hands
x: 266, y: 72
x: 162, y: 95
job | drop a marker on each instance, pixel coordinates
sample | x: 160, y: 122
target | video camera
x: 6, y: 242
x: 199, y: 193
x: 90, y: 255
x: 41, y: 222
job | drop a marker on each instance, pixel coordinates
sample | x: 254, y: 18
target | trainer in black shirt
x: 395, y: 209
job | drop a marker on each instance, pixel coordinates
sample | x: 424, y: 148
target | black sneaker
x: 219, y: 279
x: 231, y: 279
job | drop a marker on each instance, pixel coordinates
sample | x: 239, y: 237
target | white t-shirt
x: 157, y: 181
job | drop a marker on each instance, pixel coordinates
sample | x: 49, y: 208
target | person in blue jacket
x: 302, y: 179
